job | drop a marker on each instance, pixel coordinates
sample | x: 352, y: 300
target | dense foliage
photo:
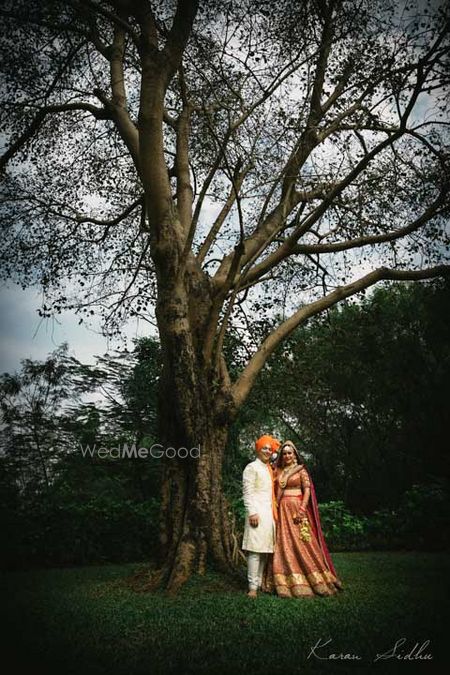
x: 363, y: 391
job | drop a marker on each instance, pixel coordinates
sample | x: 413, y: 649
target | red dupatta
x: 314, y: 517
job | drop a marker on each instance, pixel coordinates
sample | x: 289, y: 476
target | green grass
x: 85, y: 620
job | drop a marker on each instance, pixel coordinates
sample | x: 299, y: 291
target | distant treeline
x: 363, y: 391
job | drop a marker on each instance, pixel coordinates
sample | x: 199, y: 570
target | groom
x: 260, y: 511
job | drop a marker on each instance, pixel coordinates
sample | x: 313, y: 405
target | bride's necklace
x: 285, y: 474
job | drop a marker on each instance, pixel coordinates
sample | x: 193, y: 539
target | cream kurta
x: 257, y: 493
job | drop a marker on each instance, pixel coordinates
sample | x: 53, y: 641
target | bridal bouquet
x: 305, y: 532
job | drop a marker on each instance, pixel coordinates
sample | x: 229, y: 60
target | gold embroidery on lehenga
x: 298, y: 584
x: 298, y: 568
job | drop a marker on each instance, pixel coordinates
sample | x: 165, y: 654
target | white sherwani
x: 257, y: 493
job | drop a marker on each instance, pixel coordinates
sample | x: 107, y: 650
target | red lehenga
x: 299, y: 567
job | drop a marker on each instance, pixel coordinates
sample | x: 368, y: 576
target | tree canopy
x: 303, y: 146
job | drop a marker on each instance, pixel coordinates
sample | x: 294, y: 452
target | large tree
x: 217, y: 161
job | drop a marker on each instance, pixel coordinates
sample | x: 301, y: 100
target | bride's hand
x: 299, y: 517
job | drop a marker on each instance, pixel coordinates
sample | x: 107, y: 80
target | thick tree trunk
x: 195, y: 410
x: 195, y: 397
x: 195, y: 522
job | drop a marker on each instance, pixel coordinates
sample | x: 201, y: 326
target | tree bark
x: 195, y: 410
x: 195, y: 524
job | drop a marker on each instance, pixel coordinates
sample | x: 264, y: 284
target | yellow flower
x: 305, y: 534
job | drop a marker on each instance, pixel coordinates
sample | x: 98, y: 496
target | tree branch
x: 116, y: 20
x: 182, y: 170
x: 98, y: 113
x: 358, y: 242
x: 243, y: 385
x: 178, y: 36
x: 125, y: 126
x: 107, y: 224
x: 225, y: 210
x: 286, y: 249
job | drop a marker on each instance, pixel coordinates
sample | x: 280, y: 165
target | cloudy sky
x: 23, y: 334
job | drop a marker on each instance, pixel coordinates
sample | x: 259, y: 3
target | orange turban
x: 275, y: 444
x: 262, y: 441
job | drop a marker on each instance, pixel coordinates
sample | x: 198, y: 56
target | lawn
x: 86, y: 620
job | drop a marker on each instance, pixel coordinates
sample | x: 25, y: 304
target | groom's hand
x: 254, y: 520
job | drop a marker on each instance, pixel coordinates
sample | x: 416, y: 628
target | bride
x: 301, y: 565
